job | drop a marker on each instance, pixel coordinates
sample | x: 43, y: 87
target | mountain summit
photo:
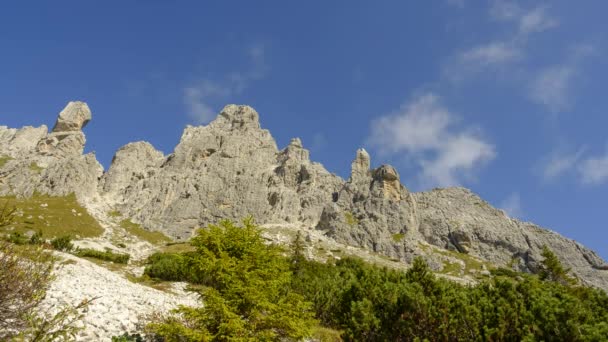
x: 232, y: 168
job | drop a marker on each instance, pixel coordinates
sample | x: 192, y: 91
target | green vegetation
x: 247, y: 285
x: 107, y: 255
x: 553, y: 270
x: 177, y: 247
x: 471, y: 264
x: 35, y: 167
x: 4, y: 160
x: 126, y: 337
x: 451, y: 268
x: 171, y: 266
x: 351, y: 220
x: 53, y: 216
x: 63, y: 243
x: 398, y: 237
x: 146, y: 235
x: 114, y: 213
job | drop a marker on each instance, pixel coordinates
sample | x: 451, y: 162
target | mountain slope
x: 232, y: 168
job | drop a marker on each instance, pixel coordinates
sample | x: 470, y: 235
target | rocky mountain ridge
x: 232, y: 167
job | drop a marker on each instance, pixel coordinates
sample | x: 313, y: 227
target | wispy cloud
x: 552, y: 87
x: 536, y: 20
x: 199, y: 96
x: 491, y: 54
x: 505, y: 51
x: 560, y: 163
x: 512, y: 205
x: 527, y: 20
x: 594, y: 170
x: 588, y: 169
x: 425, y: 131
x: 196, y: 99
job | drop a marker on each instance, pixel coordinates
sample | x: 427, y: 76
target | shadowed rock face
x: 232, y: 168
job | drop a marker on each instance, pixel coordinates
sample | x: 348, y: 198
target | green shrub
x: 36, y: 238
x: 168, y: 266
x: 245, y: 291
x: 107, y: 255
x: 251, y: 290
x: 126, y: 337
x: 63, y: 243
x: 398, y: 237
x: 351, y: 220
x: 17, y: 238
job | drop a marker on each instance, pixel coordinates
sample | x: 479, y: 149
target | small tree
x: 246, y: 291
x: 297, y: 253
x: 25, y: 275
x: 553, y: 270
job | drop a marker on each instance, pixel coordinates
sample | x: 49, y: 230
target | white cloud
x: 196, y: 99
x: 552, y: 87
x: 528, y: 21
x: 505, y: 10
x: 492, y: 54
x: 536, y: 20
x: 589, y: 170
x: 560, y: 163
x: 199, y: 96
x: 512, y: 205
x: 594, y: 170
x: 425, y: 131
x: 504, y: 51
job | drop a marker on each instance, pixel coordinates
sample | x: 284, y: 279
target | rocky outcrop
x: 232, y: 168
x: 67, y: 138
x: 50, y: 163
x: 457, y: 219
x: 372, y: 210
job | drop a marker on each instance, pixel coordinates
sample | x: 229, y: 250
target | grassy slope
x: 54, y: 216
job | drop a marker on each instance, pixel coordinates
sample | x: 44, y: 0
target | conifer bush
x: 255, y: 291
x: 245, y: 290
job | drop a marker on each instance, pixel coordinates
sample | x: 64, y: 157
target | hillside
x: 232, y: 168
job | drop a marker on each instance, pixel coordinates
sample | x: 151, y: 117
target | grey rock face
x: 457, y: 217
x: 73, y: 117
x: 372, y: 210
x: 67, y: 139
x: 50, y: 163
x: 232, y: 168
x: 19, y: 142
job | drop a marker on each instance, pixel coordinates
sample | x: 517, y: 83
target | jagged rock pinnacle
x: 360, y: 166
x: 73, y: 117
x: 238, y: 117
x: 67, y: 137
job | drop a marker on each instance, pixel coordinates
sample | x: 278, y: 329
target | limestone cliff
x: 232, y: 167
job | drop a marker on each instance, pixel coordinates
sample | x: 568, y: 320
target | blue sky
x: 506, y: 98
